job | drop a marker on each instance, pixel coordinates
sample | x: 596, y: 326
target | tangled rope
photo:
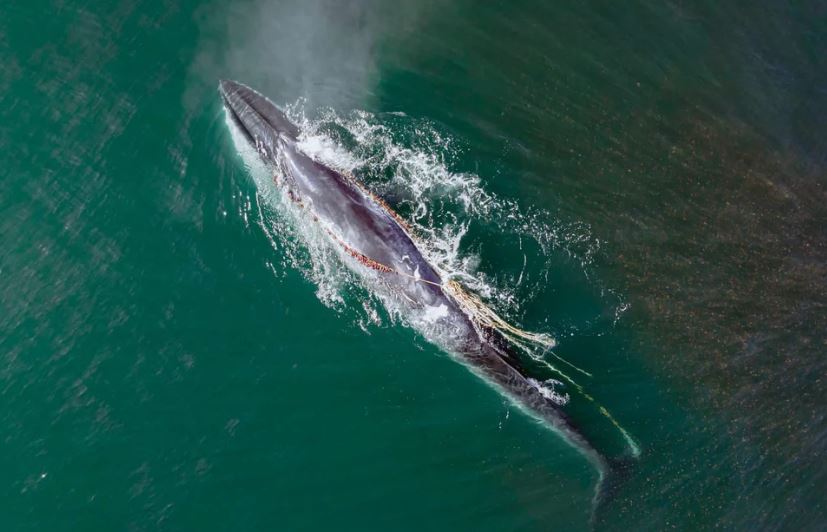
x: 525, y: 340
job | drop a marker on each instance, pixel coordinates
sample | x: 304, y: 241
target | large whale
x: 376, y: 244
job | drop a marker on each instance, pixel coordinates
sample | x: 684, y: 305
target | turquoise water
x: 645, y: 182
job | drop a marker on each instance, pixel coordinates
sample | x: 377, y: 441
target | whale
x: 376, y: 244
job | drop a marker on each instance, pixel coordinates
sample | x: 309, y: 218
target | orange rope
x: 361, y: 257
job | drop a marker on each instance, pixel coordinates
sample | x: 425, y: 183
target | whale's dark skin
x: 355, y: 219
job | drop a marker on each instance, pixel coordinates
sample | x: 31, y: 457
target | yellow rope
x: 523, y: 339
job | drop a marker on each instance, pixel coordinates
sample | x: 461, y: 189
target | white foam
x: 434, y: 313
x: 548, y: 390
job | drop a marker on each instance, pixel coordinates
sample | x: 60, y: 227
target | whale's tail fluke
x: 614, y: 474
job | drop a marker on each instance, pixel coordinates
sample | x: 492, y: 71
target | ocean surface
x: 644, y: 181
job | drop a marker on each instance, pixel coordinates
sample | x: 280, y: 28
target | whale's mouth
x: 259, y: 119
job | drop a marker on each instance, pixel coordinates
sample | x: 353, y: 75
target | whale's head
x: 260, y: 120
x: 275, y: 138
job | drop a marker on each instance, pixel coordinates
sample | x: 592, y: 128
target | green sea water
x: 645, y: 181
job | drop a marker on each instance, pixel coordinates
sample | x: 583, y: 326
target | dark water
x: 657, y: 176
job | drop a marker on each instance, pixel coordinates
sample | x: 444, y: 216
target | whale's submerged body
x: 377, y: 245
